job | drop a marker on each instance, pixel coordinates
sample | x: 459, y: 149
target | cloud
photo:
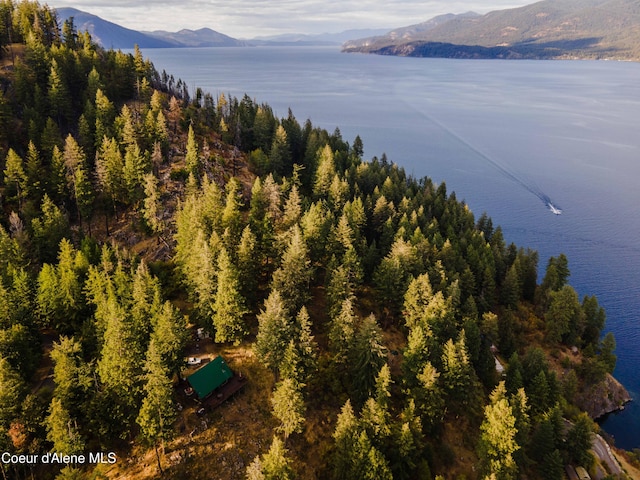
x: 248, y: 18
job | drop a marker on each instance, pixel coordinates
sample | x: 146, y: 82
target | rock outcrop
x: 604, y: 397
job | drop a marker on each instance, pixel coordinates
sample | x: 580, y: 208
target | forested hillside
x: 547, y: 29
x: 365, y: 308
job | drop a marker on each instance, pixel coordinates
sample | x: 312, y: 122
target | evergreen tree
x: 607, y: 347
x: 169, y: 336
x: 273, y: 465
x: 279, y: 155
x: 429, y: 397
x: 564, y: 317
x: 136, y: 164
x: 12, y: 392
x: 228, y: 306
x: 594, y: 320
x: 192, y: 156
x: 110, y: 170
x: 369, y: 355
x: 325, y: 172
x: 15, y: 175
x: 497, y: 440
x: 152, y: 207
x: 60, y: 299
x: 345, y: 436
x: 300, y: 358
x: 231, y: 216
x: 248, y: 266
x: 62, y: 430
x: 578, y: 441
x: 422, y: 307
x: 294, y: 275
x: 157, y: 413
x: 49, y: 229
x: 456, y: 371
x: 71, y: 374
x: 288, y: 407
x: 274, y: 332
x: 342, y: 332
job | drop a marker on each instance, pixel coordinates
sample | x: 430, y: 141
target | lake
x: 506, y: 136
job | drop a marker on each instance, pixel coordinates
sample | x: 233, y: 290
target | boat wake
x: 529, y: 186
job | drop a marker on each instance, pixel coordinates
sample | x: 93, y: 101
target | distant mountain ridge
x: 203, y: 37
x: 410, y: 33
x: 111, y: 35
x: 547, y: 29
x: 316, y: 39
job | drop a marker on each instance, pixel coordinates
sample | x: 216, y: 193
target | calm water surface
x: 504, y: 135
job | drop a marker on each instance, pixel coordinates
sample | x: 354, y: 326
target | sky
x: 251, y: 18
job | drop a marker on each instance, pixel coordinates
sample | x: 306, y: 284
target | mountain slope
x: 406, y: 34
x: 111, y: 35
x: 108, y: 34
x: 546, y: 29
x: 204, y: 37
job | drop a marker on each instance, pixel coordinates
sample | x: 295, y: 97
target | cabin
x: 215, y: 382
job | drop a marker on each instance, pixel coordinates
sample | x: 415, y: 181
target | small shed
x: 210, y: 377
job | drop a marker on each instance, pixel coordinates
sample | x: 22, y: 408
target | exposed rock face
x: 602, y: 398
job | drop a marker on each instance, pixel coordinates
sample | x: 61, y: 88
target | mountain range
x: 547, y: 29
x: 111, y: 35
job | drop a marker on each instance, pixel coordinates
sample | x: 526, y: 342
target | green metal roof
x: 209, y: 377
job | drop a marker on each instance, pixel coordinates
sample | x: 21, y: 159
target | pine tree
x: 564, y: 317
x: 15, y: 175
x: 497, y: 440
x: 288, y: 407
x: 119, y: 365
x: 136, y: 164
x: 157, y: 413
x: 274, y: 332
x: 71, y: 374
x: 192, y: 156
x: 228, y: 306
x: 375, y: 416
x: 429, y: 396
x: 607, y: 347
x: 422, y: 306
x: 416, y: 354
x: 35, y: 172
x: 325, y: 172
x: 12, y: 391
x: 248, y: 266
x: 457, y: 372
x: 49, y: 229
x: 578, y: 441
x: 293, y: 277
x: 60, y: 299
x: 84, y: 194
x: 110, y: 170
x: 273, y: 465
x: 342, y: 332
x: 231, y: 216
x: 152, y: 206
x: 279, y: 154
x: 369, y: 355
x: 292, y: 209
x: 62, y: 430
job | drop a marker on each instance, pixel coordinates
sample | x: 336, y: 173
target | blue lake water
x: 504, y: 135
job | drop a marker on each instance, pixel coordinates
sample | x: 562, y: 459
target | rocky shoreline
x: 603, y: 398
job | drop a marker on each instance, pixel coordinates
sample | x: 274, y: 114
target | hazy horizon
x: 252, y: 18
